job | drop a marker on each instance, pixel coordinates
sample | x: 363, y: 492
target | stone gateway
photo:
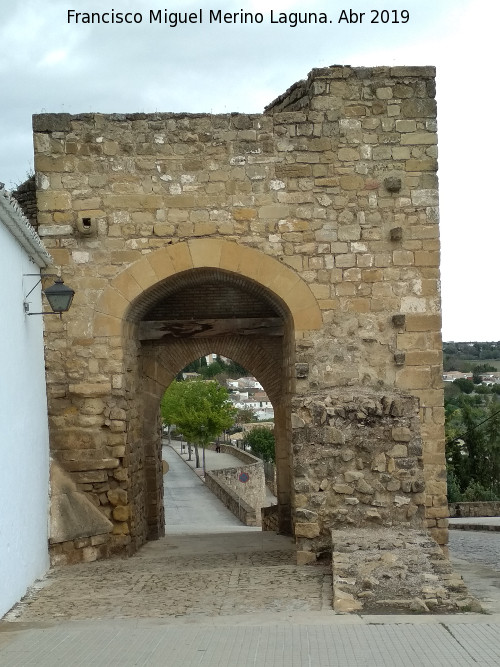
x: 303, y: 243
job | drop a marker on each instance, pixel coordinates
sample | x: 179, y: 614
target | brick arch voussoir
x: 249, y: 354
x: 116, y: 300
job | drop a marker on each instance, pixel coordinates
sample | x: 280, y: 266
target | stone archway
x: 336, y: 179
x: 112, y: 307
x: 178, y: 304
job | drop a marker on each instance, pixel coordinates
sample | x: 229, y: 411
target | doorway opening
x: 217, y: 417
x: 185, y: 317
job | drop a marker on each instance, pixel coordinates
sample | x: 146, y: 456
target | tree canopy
x: 466, y: 357
x: 200, y: 410
x: 261, y: 442
x: 246, y: 416
x: 218, y: 367
x: 473, y: 446
x: 467, y: 386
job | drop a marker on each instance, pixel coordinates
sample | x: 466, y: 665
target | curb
x: 473, y: 526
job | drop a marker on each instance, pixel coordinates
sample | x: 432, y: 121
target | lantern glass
x: 59, y: 296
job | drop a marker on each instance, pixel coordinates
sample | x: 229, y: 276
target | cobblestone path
x: 225, y: 574
x: 208, y: 565
x: 230, y: 571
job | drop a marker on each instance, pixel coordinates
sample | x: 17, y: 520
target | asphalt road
x: 476, y: 556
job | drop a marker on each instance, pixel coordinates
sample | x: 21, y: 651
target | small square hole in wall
x: 86, y: 226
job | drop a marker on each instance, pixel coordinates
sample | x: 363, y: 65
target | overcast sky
x: 50, y: 65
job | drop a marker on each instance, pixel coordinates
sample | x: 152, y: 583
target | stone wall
x: 270, y: 474
x: 324, y: 209
x: 358, y: 462
x: 252, y: 492
x: 78, y: 532
x: 491, y: 508
x: 240, y: 454
x: 394, y: 570
x: 244, y: 499
x: 246, y: 513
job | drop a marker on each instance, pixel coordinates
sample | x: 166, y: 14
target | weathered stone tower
x: 302, y: 243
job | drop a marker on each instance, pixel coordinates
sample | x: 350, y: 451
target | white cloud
x: 54, y: 57
x: 53, y: 66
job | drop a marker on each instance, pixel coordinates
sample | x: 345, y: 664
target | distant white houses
x: 254, y: 399
x: 246, y: 394
x: 237, y: 398
x: 486, y: 378
x: 261, y: 405
x: 490, y: 378
x: 451, y: 376
x: 245, y: 383
x: 263, y: 414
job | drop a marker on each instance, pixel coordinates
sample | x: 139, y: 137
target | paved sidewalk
x: 209, y: 565
x: 313, y: 641
x: 476, y: 556
x: 213, y: 460
x: 190, y: 507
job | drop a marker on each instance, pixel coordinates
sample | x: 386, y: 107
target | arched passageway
x: 190, y: 315
x: 165, y: 310
x: 176, y: 305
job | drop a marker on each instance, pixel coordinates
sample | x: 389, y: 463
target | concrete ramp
x: 190, y: 507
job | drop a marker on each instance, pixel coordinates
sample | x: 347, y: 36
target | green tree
x: 451, y: 391
x: 467, y: 386
x: 484, y: 368
x: 492, y: 432
x: 200, y: 410
x: 261, y: 442
x: 231, y: 368
x: 170, y: 405
x: 235, y: 370
x: 473, y: 447
x: 246, y: 416
x: 474, y: 442
x: 213, y: 369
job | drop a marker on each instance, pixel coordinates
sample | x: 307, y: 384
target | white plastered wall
x: 24, y: 441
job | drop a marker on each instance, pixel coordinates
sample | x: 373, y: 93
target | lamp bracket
x: 40, y: 277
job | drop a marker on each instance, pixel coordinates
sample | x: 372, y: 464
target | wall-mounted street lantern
x: 58, y: 295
